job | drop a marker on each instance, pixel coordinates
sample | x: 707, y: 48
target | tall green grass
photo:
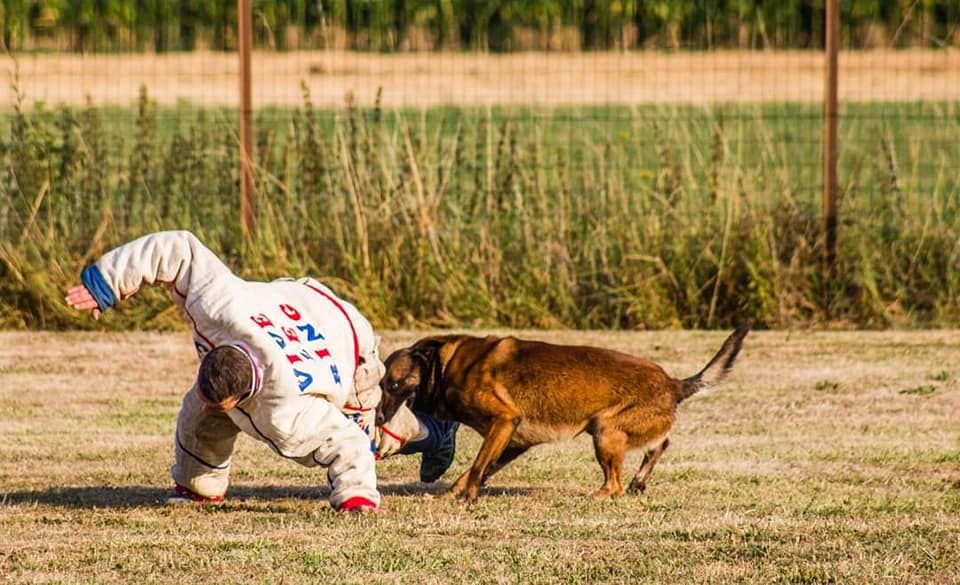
x: 601, y: 217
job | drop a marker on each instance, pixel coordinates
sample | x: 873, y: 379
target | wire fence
x: 572, y: 163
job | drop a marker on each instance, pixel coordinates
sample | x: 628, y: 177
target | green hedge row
x: 499, y: 25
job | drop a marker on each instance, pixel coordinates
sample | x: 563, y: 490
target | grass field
x: 826, y: 458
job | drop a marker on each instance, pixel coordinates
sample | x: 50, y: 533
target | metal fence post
x: 830, y: 141
x: 247, y: 196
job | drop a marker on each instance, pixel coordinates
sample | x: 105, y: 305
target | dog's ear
x: 427, y: 352
x: 426, y: 349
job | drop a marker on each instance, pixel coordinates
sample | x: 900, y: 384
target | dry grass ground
x: 427, y: 79
x: 827, y: 458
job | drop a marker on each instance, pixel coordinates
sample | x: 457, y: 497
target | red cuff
x: 185, y: 492
x: 355, y: 503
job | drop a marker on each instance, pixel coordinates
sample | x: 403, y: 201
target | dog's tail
x: 717, y: 368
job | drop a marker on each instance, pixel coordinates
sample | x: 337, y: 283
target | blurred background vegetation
x: 495, y: 25
x: 586, y: 216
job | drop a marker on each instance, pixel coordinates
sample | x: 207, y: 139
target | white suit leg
x: 347, y: 455
x: 203, y: 448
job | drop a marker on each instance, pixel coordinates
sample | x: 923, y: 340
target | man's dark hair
x: 224, y: 373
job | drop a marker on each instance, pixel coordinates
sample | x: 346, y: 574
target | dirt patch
x: 428, y: 79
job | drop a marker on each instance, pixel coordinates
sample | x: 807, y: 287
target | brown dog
x: 518, y: 394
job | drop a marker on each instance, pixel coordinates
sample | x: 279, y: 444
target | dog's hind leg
x: 495, y: 441
x: 610, y: 445
x: 639, y: 482
x: 509, y: 454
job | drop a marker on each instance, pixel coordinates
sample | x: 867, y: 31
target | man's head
x: 226, y: 377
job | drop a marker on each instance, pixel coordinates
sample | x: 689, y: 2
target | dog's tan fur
x: 519, y: 393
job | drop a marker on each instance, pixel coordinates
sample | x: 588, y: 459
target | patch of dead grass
x: 768, y: 480
x: 546, y: 79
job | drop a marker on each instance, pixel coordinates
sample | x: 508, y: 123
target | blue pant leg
x: 439, y: 434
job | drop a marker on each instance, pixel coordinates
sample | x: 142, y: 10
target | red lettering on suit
x: 262, y: 320
x: 290, y: 312
x: 290, y: 333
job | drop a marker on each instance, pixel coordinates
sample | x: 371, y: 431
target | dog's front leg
x: 496, y: 440
x: 509, y: 454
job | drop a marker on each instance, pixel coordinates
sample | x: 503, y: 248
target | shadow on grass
x: 138, y: 496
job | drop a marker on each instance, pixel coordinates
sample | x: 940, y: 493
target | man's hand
x: 80, y: 299
x: 388, y: 443
x: 391, y: 436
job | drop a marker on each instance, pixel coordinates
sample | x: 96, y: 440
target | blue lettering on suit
x: 312, y: 333
x: 336, y: 374
x: 305, y: 379
x: 280, y: 340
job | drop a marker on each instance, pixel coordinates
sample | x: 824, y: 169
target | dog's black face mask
x: 405, y: 372
x: 411, y: 372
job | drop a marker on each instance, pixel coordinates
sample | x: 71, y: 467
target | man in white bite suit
x: 286, y: 362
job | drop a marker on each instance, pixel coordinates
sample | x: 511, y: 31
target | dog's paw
x: 465, y: 494
x: 469, y: 495
x: 452, y: 493
x: 458, y: 488
x: 606, y: 492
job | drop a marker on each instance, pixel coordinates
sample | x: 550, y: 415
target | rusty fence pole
x: 830, y: 115
x: 248, y: 207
